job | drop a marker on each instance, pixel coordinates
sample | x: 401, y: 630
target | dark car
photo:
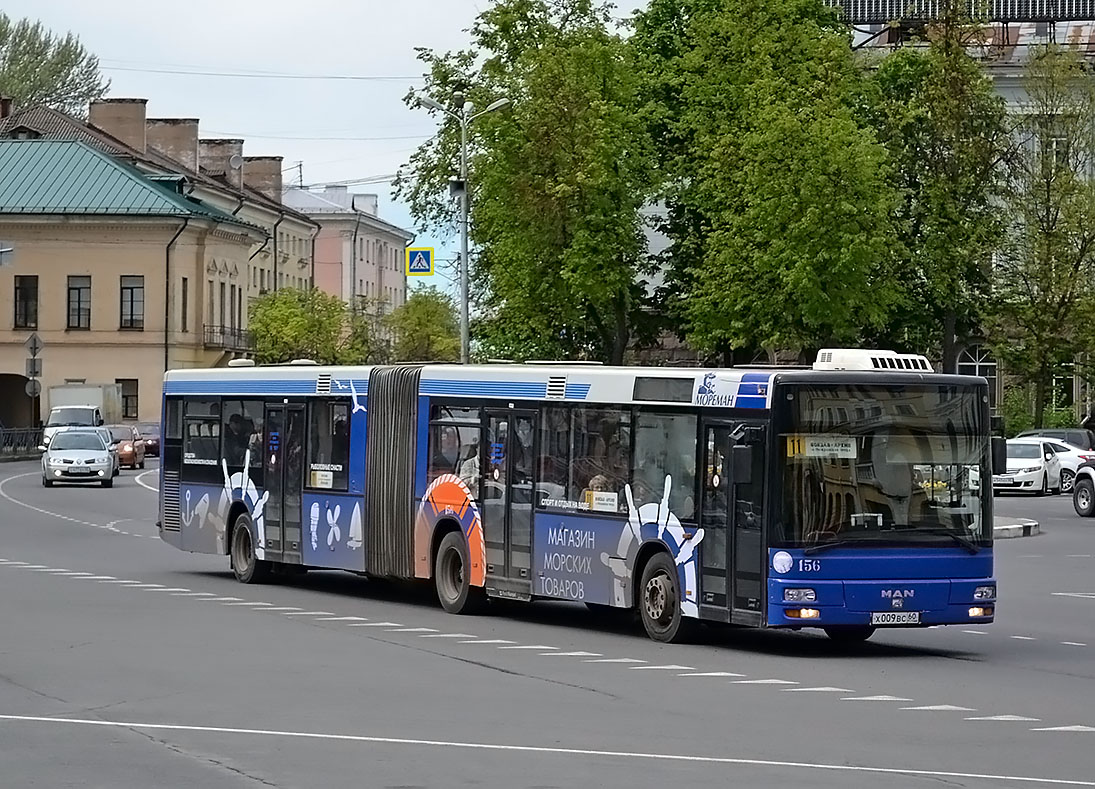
x: 150, y: 432
x: 1077, y: 436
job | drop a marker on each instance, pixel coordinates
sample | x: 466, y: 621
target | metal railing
x: 228, y: 338
x: 20, y: 440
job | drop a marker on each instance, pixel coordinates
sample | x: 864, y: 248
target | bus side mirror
x: 999, y: 455
x: 742, y: 457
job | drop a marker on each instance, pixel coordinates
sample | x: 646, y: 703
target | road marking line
x: 1004, y: 718
x: 670, y: 667
x: 487, y: 641
x: 149, y: 587
x: 1073, y: 644
x: 1081, y: 595
x: 1067, y: 728
x: 1079, y: 556
x: 764, y: 682
x: 51, y: 570
x: 818, y: 690
x: 171, y: 589
x: 616, y: 660
x: 192, y: 594
x: 941, y: 708
x: 711, y: 674
x: 483, y: 746
x: 1024, y: 638
x: 248, y: 602
x: 874, y: 698
x: 137, y: 479
x: 72, y: 574
x: 374, y: 624
x: 570, y: 654
x: 220, y: 599
x: 284, y: 608
x: 413, y: 630
x: 34, y: 567
x: 527, y: 646
x: 96, y: 578
x: 344, y: 619
x: 309, y: 613
x: 118, y: 581
x: 449, y: 635
x: 976, y: 632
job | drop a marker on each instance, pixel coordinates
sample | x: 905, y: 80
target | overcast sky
x: 283, y: 117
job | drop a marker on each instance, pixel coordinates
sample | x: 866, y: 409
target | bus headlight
x: 979, y: 611
x: 984, y: 593
x: 800, y: 595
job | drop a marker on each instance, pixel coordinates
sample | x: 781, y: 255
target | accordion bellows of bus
x: 844, y: 496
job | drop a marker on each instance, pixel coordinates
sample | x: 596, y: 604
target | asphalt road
x: 126, y: 663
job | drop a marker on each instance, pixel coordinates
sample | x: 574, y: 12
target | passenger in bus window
x: 235, y: 441
x: 446, y: 451
x: 469, y: 466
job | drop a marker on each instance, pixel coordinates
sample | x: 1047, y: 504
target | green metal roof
x: 70, y: 177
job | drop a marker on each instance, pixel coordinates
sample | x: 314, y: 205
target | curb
x: 19, y: 458
x: 1022, y: 527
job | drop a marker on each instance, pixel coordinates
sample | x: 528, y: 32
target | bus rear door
x: 508, y: 495
x: 283, y: 473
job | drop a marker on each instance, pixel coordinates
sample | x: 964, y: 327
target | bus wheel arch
x: 238, y: 508
x: 452, y: 573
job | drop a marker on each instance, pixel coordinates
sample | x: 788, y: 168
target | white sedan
x: 1033, y: 467
x: 1071, y: 457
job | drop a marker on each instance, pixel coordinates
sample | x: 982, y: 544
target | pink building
x: 357, y: 254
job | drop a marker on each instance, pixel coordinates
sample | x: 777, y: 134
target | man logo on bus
x: 708, y: 385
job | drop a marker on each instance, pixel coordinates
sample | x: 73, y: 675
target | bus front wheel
x: 849, y: 635
x: 452, y: 578
x: 247, y: 568
x: 660, y: 602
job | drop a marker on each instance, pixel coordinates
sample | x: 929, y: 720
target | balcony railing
x: 229, y: 338
x: 20, y: 440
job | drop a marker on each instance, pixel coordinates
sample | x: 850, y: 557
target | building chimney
x: 121, y: 118
x: 263, y: 174
x: 5, y: 107
x: 175, y: 138
x: 223, y: 158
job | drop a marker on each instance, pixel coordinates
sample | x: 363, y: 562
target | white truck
x: 82, y: 405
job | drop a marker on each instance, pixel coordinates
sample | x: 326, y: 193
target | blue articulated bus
x: 845, y: 496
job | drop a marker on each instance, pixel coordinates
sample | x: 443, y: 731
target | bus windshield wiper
x: 965, y: 542
x: 824, y: 546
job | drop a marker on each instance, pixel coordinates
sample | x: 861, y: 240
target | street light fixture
x: 464, y: 115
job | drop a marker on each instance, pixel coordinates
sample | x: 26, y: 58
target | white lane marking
x: 96, y: 578
x: 764, y: 682
x: 309, y: 613
x: 172, y: 589
x: 484, y: 746
x: 1024, y: 638
x: 149, y: 587
x: 344, y: 619
x: 824, y: 689
x: 1079, y: 556
x: 374, y: 624
x: 487, y: 641
x: 137, y: 479
x: 874, y: 698
x: 1073, y: 644
x: 284, y: 608
x: 529, y: 646
x: 192, y: 594
x: 1004, y: 718
x: 670, y: 667
x: 941, y: 708
x: 1067, y: 728
x: 248, y: 602
x: 220, y: 599
x: 570, y: 654
x: 34, y: 567
x: 1081, y: 595
x: 448, y: 635
x: 616, y: 660
x: 51, y: 570
x: 710, y: 674
x: 976, y: 632
x: 59, y: 516
x: 72, y: 574
x: 413, y: 630
x: 119, y: 581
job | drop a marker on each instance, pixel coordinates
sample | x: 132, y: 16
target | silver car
x: 77, y: 456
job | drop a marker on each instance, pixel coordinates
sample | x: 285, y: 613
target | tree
x: 558, y: 179
x: 947, y: 134
x: 777, y: 190
x: 39, y: 67
x: 1045, y: 274
x: 291, y: 323
x: 425, y: 328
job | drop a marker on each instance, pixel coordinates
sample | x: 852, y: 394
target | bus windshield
x: 870, y: 464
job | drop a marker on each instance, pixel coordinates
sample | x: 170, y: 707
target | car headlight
x: 1030, y: 470
x: 984, y: 593
x: 103, y: 459
x: 127, y: 447
x: 55, y: 461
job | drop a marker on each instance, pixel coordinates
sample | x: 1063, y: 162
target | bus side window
x: 329, y: 445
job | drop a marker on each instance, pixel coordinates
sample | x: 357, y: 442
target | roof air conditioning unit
x: 863, y: 359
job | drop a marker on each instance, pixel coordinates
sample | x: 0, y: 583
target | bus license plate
x: 895, y: 618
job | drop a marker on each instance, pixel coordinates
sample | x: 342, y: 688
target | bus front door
x: 507, y: 501
x: 283, y: 475
x: 732, y: 553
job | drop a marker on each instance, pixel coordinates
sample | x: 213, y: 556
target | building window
x: 26, y: 302
x: 232, y: 306
x: 79, y: 302
x: 129, y: 397
x: 185, y: 325
x: 222, y: 302
x: 209, y: 299
x: 239, y: 307
x: 978, y: 360
x: 132, y: 303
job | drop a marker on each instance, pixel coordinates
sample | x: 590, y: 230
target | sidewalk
x: 1005, y: 527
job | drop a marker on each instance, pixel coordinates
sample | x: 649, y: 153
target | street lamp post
x: 464, y: 117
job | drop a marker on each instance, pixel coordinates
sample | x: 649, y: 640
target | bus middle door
x: 283, y: 473
x: 508, y: 495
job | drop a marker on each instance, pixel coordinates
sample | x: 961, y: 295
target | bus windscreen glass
x: 883, y: 465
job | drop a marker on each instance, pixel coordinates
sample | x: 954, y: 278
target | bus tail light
x: 802, y: 613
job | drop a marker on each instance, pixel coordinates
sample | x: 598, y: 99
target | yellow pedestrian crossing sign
x: 419, y: 261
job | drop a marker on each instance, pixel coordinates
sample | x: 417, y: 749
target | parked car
x: 1077, y: 436
x: 150, y: 432
x: 1033, y: 467
x: 77, y: 456
x: 1071, y: 459
x: 131, y: 449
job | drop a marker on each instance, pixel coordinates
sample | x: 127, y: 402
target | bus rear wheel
x: 247, y: 568
x: 452, y: 577
x: 849, y: 635
x: 660, y: 603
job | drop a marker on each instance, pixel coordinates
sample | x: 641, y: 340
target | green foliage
x: 1016, y: 411
x: 291, y: 323
x: 778, y: 196
x: 39, y: 67
x: 1044, y: 304
x: 425, y: 328
x: 946, y: 131
x: 558, y: 179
